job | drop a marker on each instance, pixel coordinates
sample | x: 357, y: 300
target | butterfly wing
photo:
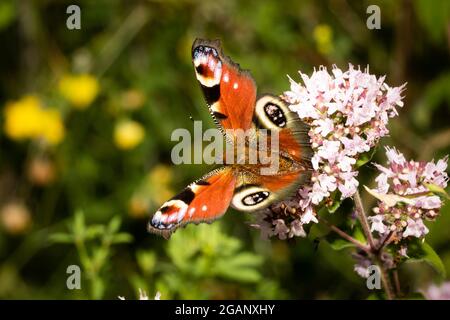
x: 202, y: 201
x: 229, y: 91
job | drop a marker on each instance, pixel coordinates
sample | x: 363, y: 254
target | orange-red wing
x: 229, y: 91
x: 202, y: 201
x: 288, y: 143
x: 280, y: 182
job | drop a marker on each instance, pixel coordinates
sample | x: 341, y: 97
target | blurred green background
x: 86, y: 118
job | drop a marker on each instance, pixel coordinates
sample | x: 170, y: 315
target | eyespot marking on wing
x: 251, y: 197
x: 271, y: 113
x: 208, y: 67
x: 255, y: 198
x: 275, y: 113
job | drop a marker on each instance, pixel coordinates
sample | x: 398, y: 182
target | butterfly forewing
x: 229, y: 91
x: 202, y: 201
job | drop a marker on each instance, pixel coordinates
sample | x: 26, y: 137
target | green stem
x: 346, y: 236
x: 363, y: 220
x: 375, y: 252
x: 398, y: 290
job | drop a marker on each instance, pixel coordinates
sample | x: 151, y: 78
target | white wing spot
x: 235, y: 85
x: 204, y: 208
x: 191, y: 211
x: 226, y: 78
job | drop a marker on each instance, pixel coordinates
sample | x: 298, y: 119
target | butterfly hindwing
x: 202, y: 201
x: 273, y: 114
x: 254, y: 192
x: 229, y: 91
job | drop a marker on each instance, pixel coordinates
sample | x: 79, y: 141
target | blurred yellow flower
x: 26, y: 118
x: 80, y: 89
x: 323, y: 35
x: 128, y: 134
x: 160, y: 174
x: 21, y: 118
x: 138, y: 206
x: 52, y: 126
x: 15, y: 218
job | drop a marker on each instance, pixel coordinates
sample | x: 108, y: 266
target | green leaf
x: 122, y: 237
x: 318, y: 231
x: 422, y: 251
x: 114, y: 224
x: 434, y: 18
x: 246, y: 259
x: 335, y: 206
x: 61, y: 238
x: 78, y: 224
x: 438, y: 190
x: 365, y: 157
x: 99, y: 257
x: 94, y: 231
x: 242, y: 267
x: 433, y: 259
x: 7, y: 13
x: 241, y: 274
x: 97, y: 288
x: 337, y: 243
x: 244, y: 275
x: 358, y: 234
x: 340, y: 244
x: 336, y: 196
x: 146, y: 261
x: 373, y: 296
x: 435, y: 94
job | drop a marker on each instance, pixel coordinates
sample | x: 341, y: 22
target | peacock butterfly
x: 231, y: 97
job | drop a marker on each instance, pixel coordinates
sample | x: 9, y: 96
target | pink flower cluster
x: 437, y: 292
x: 347, y: 113
x: 409, y: 181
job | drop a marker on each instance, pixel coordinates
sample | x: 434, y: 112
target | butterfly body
x: 269, y: 157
